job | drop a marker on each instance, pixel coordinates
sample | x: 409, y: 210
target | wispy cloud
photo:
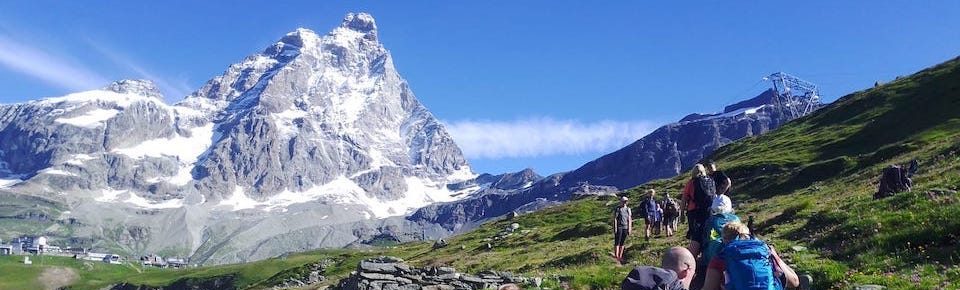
x: 36, y: 62
x: 174, y: 88
x: 537, y: 137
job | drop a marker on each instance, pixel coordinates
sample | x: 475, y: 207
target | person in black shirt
x: 722, y: 180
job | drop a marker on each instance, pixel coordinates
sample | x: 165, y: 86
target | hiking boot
x: 805, y: 282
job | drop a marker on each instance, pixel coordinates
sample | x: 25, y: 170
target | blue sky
x: 560, y: 82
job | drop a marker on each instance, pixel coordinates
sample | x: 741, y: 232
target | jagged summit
x: 300, y: 38
x: 138, y: 87
x: 360, y: 22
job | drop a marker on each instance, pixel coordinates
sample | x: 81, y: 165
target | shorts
x: 694, y: 225
x: 652, y: 220
x: 619, y: 237
x: 670, y: 220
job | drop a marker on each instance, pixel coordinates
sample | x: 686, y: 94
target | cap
x: 721, y: 204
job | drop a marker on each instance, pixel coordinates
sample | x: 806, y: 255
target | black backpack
x: 671, y: 208
x: 703, y: 193
x: 893, y: 180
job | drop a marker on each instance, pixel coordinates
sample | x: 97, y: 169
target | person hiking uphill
x: 722, y: 181
x: 747, y: 263
x: 721, y: 214
x: 675, y: 273
x: 671, y: 212
x: 622, y: 227
x: 698, y: 196
x: 652, y: 214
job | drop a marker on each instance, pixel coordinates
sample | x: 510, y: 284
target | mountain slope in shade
x: 665, y: 152
x: 296, y: 147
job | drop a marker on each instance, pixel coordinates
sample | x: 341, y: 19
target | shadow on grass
x: 583, y: 230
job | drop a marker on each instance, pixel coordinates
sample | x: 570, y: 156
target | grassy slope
x: 811, y: 183
x: 808, y: 183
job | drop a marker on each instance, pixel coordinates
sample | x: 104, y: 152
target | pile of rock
x: 389, y: 273
x: 307, y: 275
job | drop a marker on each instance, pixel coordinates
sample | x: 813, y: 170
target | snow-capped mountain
x: 296, y: 147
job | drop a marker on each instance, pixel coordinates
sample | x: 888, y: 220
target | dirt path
x: 56, y: 277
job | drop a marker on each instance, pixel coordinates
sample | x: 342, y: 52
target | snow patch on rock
x: 92, y: 119
x: 7, y: 183
x: 239, y: 200
x: 286, y: 122
x: 141, y: 202
x: 185, y: 149
x: 52, y: 171
x: 109, y: 195
x: 78, y: 159
x: 120, y: 99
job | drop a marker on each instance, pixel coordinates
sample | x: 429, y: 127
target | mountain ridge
x: 663, y: 153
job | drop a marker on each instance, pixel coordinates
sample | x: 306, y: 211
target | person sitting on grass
x: 675, y: 272
x: 747, y: 263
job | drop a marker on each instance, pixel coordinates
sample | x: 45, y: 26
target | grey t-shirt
x: 623, y: 217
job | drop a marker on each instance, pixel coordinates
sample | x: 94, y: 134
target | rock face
x: 664, y: 153
x: 299, y: 146
x: 387, y: 273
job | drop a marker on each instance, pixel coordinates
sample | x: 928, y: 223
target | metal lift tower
x: 796, y: 97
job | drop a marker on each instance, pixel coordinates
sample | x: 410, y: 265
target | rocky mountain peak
x: 137, y: 87
x: 301, y: 37
x: 360, y: 22
x: 356, y: 25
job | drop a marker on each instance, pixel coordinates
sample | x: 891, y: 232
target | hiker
x: 622, y: 227
x: 914, y: 167
x: 671, y: 211
x: 721, y: 179
x: 698, y: 195
x: 508, y: 286
x: 893, y: 180
x: 652, y: 214
x: 675, y: 273
x: 744, y: 260
x: 721, y: 214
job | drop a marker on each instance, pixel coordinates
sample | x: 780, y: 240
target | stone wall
x: 389, y: 273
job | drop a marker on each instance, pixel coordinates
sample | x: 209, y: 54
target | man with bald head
x: 675, y: 272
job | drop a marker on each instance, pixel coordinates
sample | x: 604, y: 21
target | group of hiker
x: 660, y: 216
x: 722, y: 252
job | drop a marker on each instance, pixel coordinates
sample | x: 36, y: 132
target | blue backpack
x: 712, y: 239
x: 749, y: 266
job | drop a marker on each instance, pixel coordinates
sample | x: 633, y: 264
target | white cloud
x: 171, y: 88
x: 36, y: 62
x: 537, y: 137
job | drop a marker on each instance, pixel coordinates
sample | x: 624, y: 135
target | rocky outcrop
x: 388, y: 273
x: 299, y: 277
